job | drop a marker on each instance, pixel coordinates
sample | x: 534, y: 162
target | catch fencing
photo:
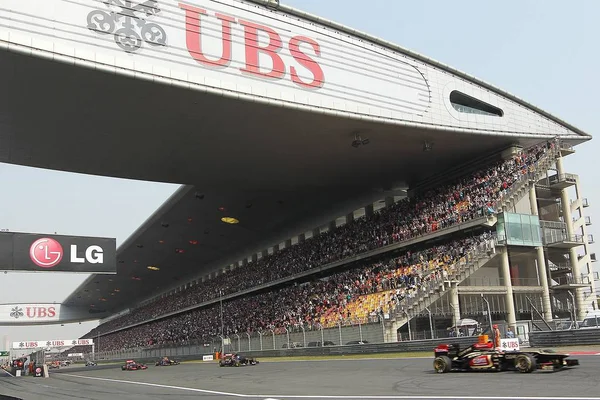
x: 198, y: 352
x: 571, y: 337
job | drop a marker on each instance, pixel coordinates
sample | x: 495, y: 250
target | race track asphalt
x: 402, y: 379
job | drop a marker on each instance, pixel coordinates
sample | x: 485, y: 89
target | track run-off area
x: 401, y: 379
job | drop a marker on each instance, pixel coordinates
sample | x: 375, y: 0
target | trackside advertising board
x: 57, y: 253
x: 52, y: 344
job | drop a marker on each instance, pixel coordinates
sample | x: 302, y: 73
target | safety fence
x: 199, y: 352
x: 571, y: 337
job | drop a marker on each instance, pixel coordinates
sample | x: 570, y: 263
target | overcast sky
x: 544, y: 51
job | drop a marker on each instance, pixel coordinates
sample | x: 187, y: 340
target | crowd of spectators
x: 305, y: 304
x: 462, y: 200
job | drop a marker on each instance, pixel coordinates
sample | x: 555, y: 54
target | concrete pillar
x: 245, y: 262
x: 455, y: 303
x: 390, y: 333
x: 389, y: 201
x: 255, y: 257
x: 349, y: 217
x: 542, y: 270
x: 301, y: 238
x: 332, y: 226
x: 316, y: 232
x: 541, y: 262
x: 275, y: 248
x: 265, y: 253
x: 573, y: 256
x: 510, y: 301
x: 533, y: 200
x: 369, y: 210
x: 288, y: 243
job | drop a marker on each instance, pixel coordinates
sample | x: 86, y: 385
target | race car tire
x: 525, y: 363
x: 442, y: 364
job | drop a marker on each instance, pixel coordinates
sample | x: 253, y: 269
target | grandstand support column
x: 302, y: 238
x: 573, y: 257
x: 389, y: 201
x: 510, y: 301
x: 369, y: 210
x: 541, y: 262
x: 390, y: 330
x: 349, y: 217
x: 455, y: 303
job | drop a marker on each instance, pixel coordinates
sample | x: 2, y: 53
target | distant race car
x: 484, y: 357
x: 165, y: 363
x: 131, y: 365
x: 90, y: 364
x: 236, y: 360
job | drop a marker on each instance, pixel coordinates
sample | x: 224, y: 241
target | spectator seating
x: 366, y: 290
x: 463, y: 199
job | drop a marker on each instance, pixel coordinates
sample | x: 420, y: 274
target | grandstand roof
x: 293, y: 163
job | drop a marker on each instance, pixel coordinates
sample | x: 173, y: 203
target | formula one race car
x: 164, y: 362
x: 131, y: 365
x: 236, y: 360
x: 484, y: 357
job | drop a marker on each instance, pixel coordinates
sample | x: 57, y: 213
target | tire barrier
x: 574, y: 337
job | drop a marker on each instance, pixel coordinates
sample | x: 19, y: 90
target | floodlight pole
x: 222, y: 325
x: 489, y: 318
x: 430, y: 322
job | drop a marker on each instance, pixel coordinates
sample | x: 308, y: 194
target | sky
x: 544, y: 51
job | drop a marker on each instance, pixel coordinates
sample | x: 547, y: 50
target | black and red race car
x: 131, y: 365
x: 165, y: 361
x: 236, y: 360
x: 484, y: 357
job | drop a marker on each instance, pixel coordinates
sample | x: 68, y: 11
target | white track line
x: 160, y: 386
x: 283, y: 396
x: 3, y: 370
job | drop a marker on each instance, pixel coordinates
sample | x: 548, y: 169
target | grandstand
x: 354, y: 275
x: 309, y: 210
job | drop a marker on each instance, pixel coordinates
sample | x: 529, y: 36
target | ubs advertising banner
x: 52, y: 344
x: 26, y: 314
x: 56, y: 253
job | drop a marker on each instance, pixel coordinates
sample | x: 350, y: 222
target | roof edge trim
x: 384, y: 43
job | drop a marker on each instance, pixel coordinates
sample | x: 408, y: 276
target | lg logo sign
x: 47, y: 253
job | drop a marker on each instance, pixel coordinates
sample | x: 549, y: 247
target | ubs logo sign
x: 46, y: 252
x: 126, y: 21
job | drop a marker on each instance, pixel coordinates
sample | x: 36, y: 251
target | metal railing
x: 572, y: 280
x: 559, y: 178
x: 556, y: 225
x: 553, y: 236
x: 498, y: 281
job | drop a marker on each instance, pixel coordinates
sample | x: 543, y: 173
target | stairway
x: 520, y: 189
x: 435, y: 289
